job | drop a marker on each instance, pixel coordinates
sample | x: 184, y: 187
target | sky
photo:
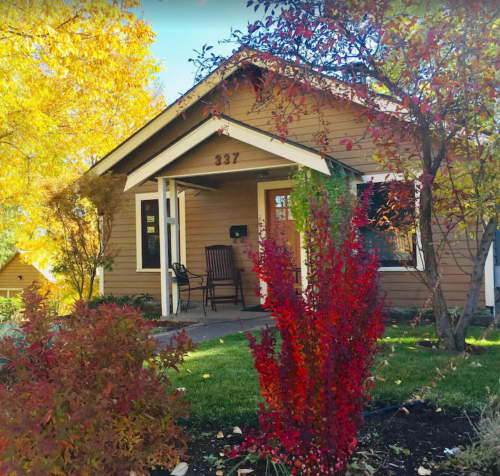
x: 182, y: 26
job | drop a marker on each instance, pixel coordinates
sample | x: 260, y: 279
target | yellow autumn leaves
x: 76, y: 79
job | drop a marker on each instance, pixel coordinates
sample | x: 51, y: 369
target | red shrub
x: 77, y: 398
x: 315, y: 384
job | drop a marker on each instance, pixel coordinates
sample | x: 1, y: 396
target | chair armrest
x: 198, y: 275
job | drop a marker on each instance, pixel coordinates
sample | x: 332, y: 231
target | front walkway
x: 228, y: 319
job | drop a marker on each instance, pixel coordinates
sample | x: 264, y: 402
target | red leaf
x: 430, y: 36
x: 406, y: 102
x: 415, y: 99
x: 349, y: 146
x: 423, y: 108
x: 380, y: 117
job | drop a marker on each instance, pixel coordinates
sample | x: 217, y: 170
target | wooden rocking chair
x: 223, y: 273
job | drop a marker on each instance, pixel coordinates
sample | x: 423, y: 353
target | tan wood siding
x: 202, y: 159
x: 209, y: 215
x: 16, y: 267
x: 124, y: 279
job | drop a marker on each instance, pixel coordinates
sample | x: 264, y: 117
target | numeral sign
x: 226, y: 159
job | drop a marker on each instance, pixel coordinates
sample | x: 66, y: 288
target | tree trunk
x: 91, y: 284
x: 443, y: 319
x: 475, y: 284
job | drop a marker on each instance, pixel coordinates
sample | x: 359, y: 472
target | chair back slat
x: 220, y: 262
x: 181, y: 274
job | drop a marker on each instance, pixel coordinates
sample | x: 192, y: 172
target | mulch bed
x: 394, y: 443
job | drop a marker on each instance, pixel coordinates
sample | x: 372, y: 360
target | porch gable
x: 289, y: 152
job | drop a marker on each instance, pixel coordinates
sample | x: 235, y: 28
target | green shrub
x: 10, y: 309
x: 134, y: 300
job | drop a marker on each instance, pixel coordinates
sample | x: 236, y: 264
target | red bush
x: 315, y: 383
x: 85, y: 395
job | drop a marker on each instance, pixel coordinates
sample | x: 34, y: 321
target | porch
x: 220, y: 174
x: 203, y: 217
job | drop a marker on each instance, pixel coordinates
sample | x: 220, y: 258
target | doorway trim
x: 262, y: 188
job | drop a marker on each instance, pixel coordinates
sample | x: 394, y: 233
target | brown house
x: 15, y: 275
x: 189, y: 179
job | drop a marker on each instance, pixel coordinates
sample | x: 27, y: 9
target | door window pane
x: 280, y: 201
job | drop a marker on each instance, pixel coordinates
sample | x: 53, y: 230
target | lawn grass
x: 230, y: 396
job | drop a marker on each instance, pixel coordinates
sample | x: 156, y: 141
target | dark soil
x: 471, y: 349
x: 394, y: 443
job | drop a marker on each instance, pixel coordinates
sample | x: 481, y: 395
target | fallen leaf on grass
x: 244, y: 471
x: 220, y: 435
x: 180, y: 470
x: 412, y: 348
x: 439, y: 410
x: 219, y: 473
x: 237, y: 430
x: 206, y: 376
x: 222, y: 341
x: 398, y: 382
x: 423, y: 472
x: 380, y: 378
x: 395, y: 326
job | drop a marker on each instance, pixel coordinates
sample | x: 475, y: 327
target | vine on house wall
x: 310, y: 184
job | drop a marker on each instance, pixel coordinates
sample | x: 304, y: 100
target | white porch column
x: 164, y: 245
x: 174, y: 235
x: 304, y: 269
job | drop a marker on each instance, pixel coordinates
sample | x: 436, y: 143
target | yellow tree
x: 76, y: 78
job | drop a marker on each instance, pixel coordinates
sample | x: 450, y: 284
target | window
x: 397, y: 248
x: 148, y: 232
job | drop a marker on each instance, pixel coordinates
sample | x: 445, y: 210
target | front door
x: 281, y: 222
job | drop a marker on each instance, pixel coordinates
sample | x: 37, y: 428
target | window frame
x: 419, y: 265
x: 139, y: 198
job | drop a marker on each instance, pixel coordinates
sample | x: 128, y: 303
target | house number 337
x: 226, y: 159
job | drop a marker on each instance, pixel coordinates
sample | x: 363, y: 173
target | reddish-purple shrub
x: 86, y: 394
x: 315, y: 381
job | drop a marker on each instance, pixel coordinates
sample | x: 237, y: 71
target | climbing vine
x: 309, y: 188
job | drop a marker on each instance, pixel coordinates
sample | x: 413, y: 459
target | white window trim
x: 378, y: 178
x: 140, y: 197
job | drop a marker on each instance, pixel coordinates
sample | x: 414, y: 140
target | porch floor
x: 225, y: 312
x: 228, y: 319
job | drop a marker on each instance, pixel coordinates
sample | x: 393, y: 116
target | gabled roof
x: 204, y: 87
x: 165, y: 117
x: 45, y: 272
x: 238, y: 130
